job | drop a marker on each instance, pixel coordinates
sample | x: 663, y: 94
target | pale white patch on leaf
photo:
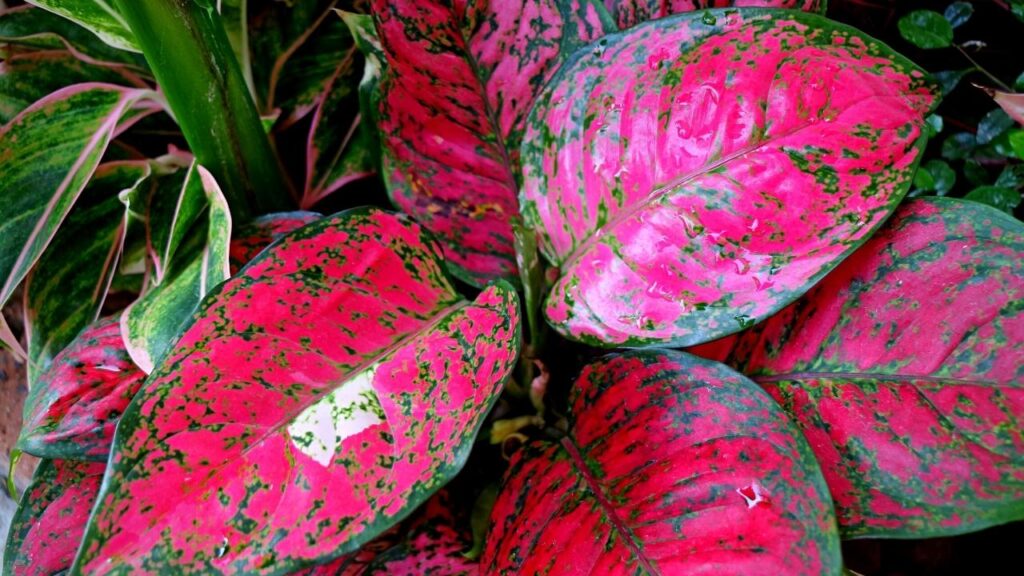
x: 322, y: 427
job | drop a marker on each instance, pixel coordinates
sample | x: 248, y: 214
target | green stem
x: 191, y: 57
x: 12, y: 489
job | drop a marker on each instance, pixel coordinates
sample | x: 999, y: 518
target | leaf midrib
x: 617, y: 523
x: 902, y: 378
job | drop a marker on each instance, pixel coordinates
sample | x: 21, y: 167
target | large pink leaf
x: 672, y: 465
x: 319, y: 396
x: 51, y: 518
x: 73, y: 408
x: 697, y: 173
x: 905, y: 368
x: 629, y: 13
x: 457, y: 86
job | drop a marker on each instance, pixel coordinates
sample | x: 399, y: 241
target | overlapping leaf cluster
x: 215, y: 390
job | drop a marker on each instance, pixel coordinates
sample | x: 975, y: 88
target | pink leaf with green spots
x: 74, y: 406
x: 905, y: 369
x: 458, y: 83
x: 253, y: 237
x: 628, y: 13
x: 690, y: 179
x: 319, y: 397
x: 430, y: 542
x: 49, y: 523
x: 672, y: 465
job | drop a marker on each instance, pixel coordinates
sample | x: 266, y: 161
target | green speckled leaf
x: 99, y: 16
x: 191, y: 260
x: 47, y: 155
x: 65, y: 291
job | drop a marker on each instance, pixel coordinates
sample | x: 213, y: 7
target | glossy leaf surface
x: 28, y: 26
x: 73, y: 408
x: 905, y: 369
x: 47, y: 154
x: 99, y: 16
x: 66, y: 289
x: 318, y: 398
x: 628, y: 13
x: 458, y: 84
x: 153, y: 323
x: 253, y: 237
x: 694, y: 174
x: 49, y: 523
x: 672, y: 465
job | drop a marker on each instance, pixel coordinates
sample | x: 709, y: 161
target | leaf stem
x: 189, y: 52
x: 981, y: 69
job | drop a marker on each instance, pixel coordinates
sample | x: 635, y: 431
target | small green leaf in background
x: 99, y: 16
x: 958, y: 13
x: 1005, y: 199
x: 152, y: 324
x: 992, y: 125
x: 959, y: 146
x: 1011, y: 176
x: 934, y: 176
x: 976, y: 173
x: 933, y: 124
x: 926, y: 29
x: 948, y: 79
x: 1018, y: 84
x: 1017, y: 142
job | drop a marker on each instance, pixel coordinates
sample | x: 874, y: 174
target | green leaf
x: 1005, y: 199
x: 65, y: 291
x: 365, y: 34
x: 948, y: 79
x: 1018, y: 84
x: 959, y: 146
x: 29, y: 76
x: 99, y: 16
x: 976, y: 173
x: 1011, y: 177
x: 47, y: 155
x: 153, y: 323
x: 934, y: 125
x: 36, y: 28
x: 926, y: 29
x: 992, y: 125
x: 958, y: 13
x: 1017, y: 143
x: 942, y: 176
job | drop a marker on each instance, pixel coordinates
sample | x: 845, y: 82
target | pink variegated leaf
x: 49, y: 523
x: 458, y: 83
x: 905, y: 369
x: 672, y: 465
x: 253, y: 237
x: 628, y: 13
x: 695, y: 174
x: 73, y: 408
x: 318, y: 398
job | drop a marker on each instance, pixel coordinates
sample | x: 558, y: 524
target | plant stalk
x: 189, y: 52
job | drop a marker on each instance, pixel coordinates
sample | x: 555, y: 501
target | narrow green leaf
x: 926, y: 29
x: 234, y: 17
x: 66, y: 289
x: 99, y: 16
x: 1017, y: 143
x: 152, y: 324
x: 47, y: 155
x: 1005, y: 199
